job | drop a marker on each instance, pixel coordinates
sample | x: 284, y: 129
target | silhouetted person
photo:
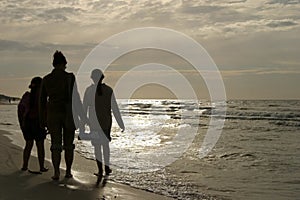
x: 98, y: 102
x: 56, y: 111
x: 29, y: 122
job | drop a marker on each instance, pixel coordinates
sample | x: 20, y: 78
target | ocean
x: 256, y: 157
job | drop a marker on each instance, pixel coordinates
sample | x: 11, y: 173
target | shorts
x: 33, y: 131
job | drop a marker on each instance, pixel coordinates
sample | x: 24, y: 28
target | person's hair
x: 99, y: 88
x: 35, y: 88
x: 97, y: 75
x: 59, y: 58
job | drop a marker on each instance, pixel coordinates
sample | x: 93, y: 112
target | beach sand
x: 17, y: 184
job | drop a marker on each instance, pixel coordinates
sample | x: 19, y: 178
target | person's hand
x: 43, y: 125
x: 81, y: 126
x: 81, y: 129
x: 85, y: 121
x: 46, y: 130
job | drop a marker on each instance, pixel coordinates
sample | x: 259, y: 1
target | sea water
x: 256, y: 157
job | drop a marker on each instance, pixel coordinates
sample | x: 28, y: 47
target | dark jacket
x: 29, y: 117
x: 99, y: 107
x: 57, y: 90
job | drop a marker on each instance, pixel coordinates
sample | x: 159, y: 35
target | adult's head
x: 59, y: 60
x: 97, y: 76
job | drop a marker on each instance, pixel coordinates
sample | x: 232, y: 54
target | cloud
x: 259, y: 71
x: 58, y: 14
x: 200, y: 9
x: 282, y: 23
x: 247, y: 27
x: 28, y: 25
x: 284, y: 2
x: 32, y: 12
x: 10, y: 45
x: 206, y: 18
x: 237, y: 1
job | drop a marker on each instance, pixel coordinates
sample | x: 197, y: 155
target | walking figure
x: 98, y: 102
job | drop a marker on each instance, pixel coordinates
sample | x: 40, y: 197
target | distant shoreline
x: 7, y: 103
x: 7, y: 100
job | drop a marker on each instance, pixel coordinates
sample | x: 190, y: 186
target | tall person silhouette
x: 98, y: 102
x: 56, y: 111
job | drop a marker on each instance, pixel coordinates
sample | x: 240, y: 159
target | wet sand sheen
x: 17, y: 184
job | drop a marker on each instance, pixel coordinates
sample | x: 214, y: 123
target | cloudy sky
x: 254, y: 43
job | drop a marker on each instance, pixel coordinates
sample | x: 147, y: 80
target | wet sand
x: 17, y: 184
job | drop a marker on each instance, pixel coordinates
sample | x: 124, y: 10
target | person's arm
x: 85, y: 101
x: 116, y: 112
x: 23, y: 108
x: 43, y: 105
x: 77, y: 104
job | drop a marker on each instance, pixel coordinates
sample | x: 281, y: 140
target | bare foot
x: 44, y: 169
x: 24, y: 168
x: 55, y: 177
x: 68, y: 175
x: 99, y: 178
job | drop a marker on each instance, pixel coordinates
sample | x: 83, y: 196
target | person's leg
x: 106, y: 153
x: 55, y: 129
x: 56, y: 157
x: 69, y: 156
x: 26, y: 154
x: 41, y: 154
x: 68, y: 137
x: 98, y: 156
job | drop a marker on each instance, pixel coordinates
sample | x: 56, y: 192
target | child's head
x: 35, y: 82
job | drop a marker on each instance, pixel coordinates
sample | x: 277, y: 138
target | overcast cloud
x: 238, y: 34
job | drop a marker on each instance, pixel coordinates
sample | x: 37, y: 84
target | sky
x: 254, y: 43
